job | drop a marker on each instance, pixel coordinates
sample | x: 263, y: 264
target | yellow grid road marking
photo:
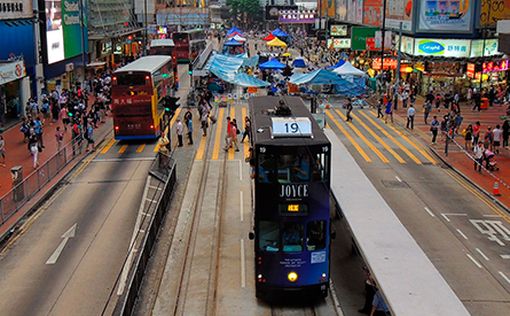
x: 349, y: 137
x: 201, y: 149
x: 108, y: 146
x: 140, y: 148
x: 123, y: 149
x: 380, y: 140
x: 396, y: 142
x: 404, y: 137
x: 217, y: 136
x: 365, y: 140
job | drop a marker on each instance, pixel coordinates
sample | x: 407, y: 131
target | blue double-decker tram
x: 292, y: 198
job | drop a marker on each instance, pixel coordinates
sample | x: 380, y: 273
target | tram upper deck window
x: 293, y: 168
x: 316, y: 235
x: 299, y: 167
x: 292, y: 237
x: 269, y: 236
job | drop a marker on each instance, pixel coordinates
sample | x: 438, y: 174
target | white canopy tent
x: 347, y: 69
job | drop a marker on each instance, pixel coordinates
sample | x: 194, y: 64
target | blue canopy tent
x: 338, y: 64
x: 299, y: 63
x: 226, y: 68
x: 244, y: 80
x: 321, y: 76
x: 251, y: 62
x: 279, y: 33
x: 272, y: 64
x: 233, y: 42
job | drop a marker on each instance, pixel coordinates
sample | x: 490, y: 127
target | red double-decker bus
x: 137, y: 92
x: 188, y: 44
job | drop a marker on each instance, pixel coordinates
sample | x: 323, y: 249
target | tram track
x: 211, y: 176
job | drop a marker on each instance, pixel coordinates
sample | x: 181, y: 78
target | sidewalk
x: 457, y: 157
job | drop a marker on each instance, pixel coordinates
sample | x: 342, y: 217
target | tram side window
x: 316, y: 235
x: 292, y: 237
x: 266, y: 167
x: 320, y: 167
x: 269, y: 236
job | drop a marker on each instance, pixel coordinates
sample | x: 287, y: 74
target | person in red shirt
x: 476, y: 133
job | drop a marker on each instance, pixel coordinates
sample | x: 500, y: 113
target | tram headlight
x: 323, y: 277
x: 292, y: 276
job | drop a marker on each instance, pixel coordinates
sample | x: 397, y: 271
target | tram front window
x: 293, y: 168
x: 292, y: 236
x: 316, y: 235
x: 269, y: 236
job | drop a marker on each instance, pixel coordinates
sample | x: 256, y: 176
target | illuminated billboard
x: 63, y: 31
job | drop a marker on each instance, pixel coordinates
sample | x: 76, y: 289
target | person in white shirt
x: 179, y: 129
x: 478, y: 153
x: 497, y: 137
x: 411, y: 112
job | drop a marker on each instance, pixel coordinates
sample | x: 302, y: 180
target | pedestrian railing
x: 25, y: 190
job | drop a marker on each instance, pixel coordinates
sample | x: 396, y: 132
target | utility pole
x: 484, y: 36
x: 145, y: 40
x: 399, y: 56
x: 39, y: 70
x: 383, y: 33
x: 82, y: 30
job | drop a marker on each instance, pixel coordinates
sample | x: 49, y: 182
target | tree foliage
x: 247, y: 10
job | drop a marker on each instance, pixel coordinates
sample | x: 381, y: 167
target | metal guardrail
x: 163, y: 169
x: 21, y: 193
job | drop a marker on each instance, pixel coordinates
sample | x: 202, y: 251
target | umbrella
x: 269, y: 37
x: 279, y: 33
x: 272, y: 64
x: 276, y: 42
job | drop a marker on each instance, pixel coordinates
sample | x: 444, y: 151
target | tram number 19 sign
x: 291, y: 127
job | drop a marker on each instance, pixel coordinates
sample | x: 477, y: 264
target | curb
x: 11, y: 231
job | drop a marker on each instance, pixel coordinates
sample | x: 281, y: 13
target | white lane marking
x: 474, y: 260
x: 504, y: 276
x: 155, y: 188
x: 240, y: 171
x: 455, y: 214
x: 505, y: 256
x: 151, y: 200
x: 482, y: 254
x: 491, y: 215
x: 445, y: 217
x: 243, y: 272
x: 398, y: 179
x: 70, y: 233
x: 241, y: 206
x: 429, y: 211
x: 462, y: 234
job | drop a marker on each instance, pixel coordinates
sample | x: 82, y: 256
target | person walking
x: 434, y: 127
x: 468, y: 137
x: 2, y: 150
x: 379, y: 307
x: 427, y: 108
x: 204, y: 124
x: 411, y: 112
x: 59, y: 137
x: 179, y: 129
x: 34, y: 149
x: 476, y: 133
x: 497, y: 137
x: 189, y: 125
x: 247, y: 129
x: 233, y: 135
x: 388, y: 112
x: 38, y: 129
x: 478, y: 151
x: 90, y: 137
x: 349, y: 108
x: 506, y: 133
x: 379, y: 108
x: 228, y: 139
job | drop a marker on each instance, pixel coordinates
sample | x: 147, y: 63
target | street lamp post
x: 484, y: 36
x: 383, y: 32
x: 82, y: 33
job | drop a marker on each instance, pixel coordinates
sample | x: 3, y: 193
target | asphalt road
x: 465, y: 236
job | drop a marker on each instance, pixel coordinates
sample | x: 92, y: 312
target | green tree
x: 245, y: 11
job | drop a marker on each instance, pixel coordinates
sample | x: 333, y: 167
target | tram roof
x: 259, y: 107
x: 147, y: 63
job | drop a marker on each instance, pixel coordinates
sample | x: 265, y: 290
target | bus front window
x: 269, y: 236
x: 292, y: 237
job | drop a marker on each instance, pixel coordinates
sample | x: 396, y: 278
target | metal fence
x: 22, y: 192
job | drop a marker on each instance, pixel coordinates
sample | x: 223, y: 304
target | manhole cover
x: 393, y: 184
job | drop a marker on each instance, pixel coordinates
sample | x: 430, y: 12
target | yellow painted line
x: 201, y: 149
x: 123, y: 149
x: 217, y: 136
x: 480, y: 196
x: 349, y: 137
x: 380, y: 140
x: 246, y: 146
x: 140, y: 148
x: 404, y: 137
x: 365, y: 140
x: 108, y: 146
x: 231, y: 151
x: 396, y: 142
x: 156, y: 148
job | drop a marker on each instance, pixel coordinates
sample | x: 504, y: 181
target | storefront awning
x: 12, y: 70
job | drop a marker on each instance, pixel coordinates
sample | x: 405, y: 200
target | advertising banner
x: 297, y: 16
x: 63, y: 30
x: 407, y: 45
x: 440, y: 16
x: 490, y: 49
x: 12, y: 71
x: 444, y: 48
x: 399, y: 11
x: 327, y: 8
x: 355, y: 11
x: 359, y: 36
x: 339, y: 43
x: 338, y: 30
x: 493, y: 11
x: 372, y: 12
x: 341, y: 9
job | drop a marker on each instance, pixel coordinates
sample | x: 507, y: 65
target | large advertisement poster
x: 355, y: 11
x: 399, y: 11
x: 494, y: 10
x: 327, y: 8
x: 63, y: 30
x: 341, y: 9
x: 372, y: 12
x: 439, y: 16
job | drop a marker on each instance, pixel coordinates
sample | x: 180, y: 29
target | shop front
x: 14, y: 91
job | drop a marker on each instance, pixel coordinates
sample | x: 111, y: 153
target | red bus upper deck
x: 189, y: 44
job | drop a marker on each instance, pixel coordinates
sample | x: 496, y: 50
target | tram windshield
x: 316, y: 235
x: 299, y: 167
x: 292, y: 237
x: 269, y: 236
